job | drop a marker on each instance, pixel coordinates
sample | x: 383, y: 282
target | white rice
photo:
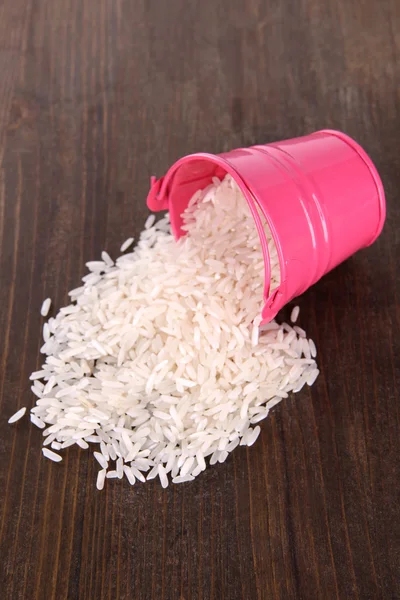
x: 18, y: 415
x: 129, y: 475
x: 295, y: 314
x: 112, y: 474
x: 163, y: 476
x: 51, y: 455
x: 44, y: 311
x: 252, y: 435
x: 35, y: 420
x: 101, y: 477
x: 182, y: 479
x: 162, y: 359
x: 313, y: 349
x: 149, y: 221
x: 126, y: 244
x: 101, y: 460
x: 106, y: 258
x: 120, y: 468
x: 82, y: 444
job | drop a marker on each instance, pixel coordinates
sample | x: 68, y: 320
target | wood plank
x: 96, y: 96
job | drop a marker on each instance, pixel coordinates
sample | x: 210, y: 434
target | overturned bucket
x: 320, y: 195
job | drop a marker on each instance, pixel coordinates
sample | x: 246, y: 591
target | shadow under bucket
x: 320, y: 195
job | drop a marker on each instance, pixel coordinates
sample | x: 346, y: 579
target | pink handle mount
x: 320, y: 194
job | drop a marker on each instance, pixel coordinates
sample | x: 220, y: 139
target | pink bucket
x: 320, y: 194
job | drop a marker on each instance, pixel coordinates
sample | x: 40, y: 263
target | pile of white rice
x: 159, y: 362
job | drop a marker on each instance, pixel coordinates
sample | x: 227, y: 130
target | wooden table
x: 96, y: 96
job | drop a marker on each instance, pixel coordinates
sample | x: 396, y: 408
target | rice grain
x: 44, y: 311
x: 18, y: 415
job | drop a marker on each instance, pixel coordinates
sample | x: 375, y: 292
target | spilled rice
x: 159, y: 364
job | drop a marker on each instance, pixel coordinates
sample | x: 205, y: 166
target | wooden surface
x: 97, y: 95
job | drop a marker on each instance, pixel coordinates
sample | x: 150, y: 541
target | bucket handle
x: 157, y: 199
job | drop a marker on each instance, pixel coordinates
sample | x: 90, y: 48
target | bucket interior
x: 195, y: 173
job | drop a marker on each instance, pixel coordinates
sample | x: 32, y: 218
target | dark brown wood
x: 97, y: 95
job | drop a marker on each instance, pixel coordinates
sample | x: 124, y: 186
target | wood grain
x: 95, y: 96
